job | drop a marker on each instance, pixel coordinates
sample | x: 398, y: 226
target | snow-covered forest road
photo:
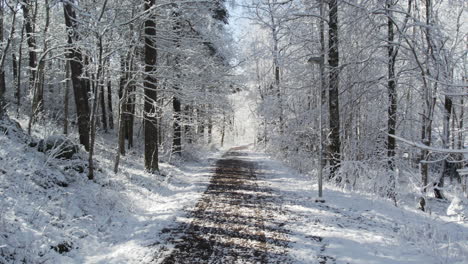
x: 237, y: 220
x: 256, y: 210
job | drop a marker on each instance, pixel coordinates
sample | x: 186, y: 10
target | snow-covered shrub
x: 441, y: 241
x: 58, y: 146
x: 366, y: 175
x: 458, y: 207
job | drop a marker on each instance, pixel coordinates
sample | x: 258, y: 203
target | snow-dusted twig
x: 429, y: 148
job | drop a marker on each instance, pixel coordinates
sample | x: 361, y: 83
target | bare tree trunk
x: 150, y: 111
x: 66, y: 98
x: 278, y: 94
x: 176, y: 105
x: 323, y: 91
x: 2, y: 94
x: 75, y: 59
x: 160, y: 126
x: 461, y: 139
x: 38, y: 98
x: 201, y: 123
x: 424, y: 154
x: 177, y: 136
x: 98, y: 88
x: 210, y: 130
x: 439, y: 184
x: 429, y: 102
x: 223, y: 129
x: 461, y: 124
x: 31, y: 40
x: 333, y: 92
x: 130, y: 116
x: 4, y: 50
x: 18, y: 76
x: 99, y: 82
x: 122, y: 105
x: 38, y: 84
x: 109, y: 104
x: 392, y: 100
x: 103, y: 107
x: 276, y: 72
x: 14, y: 61
x: 121, y: 128
x: 187, y: 127
x: 2, y: 72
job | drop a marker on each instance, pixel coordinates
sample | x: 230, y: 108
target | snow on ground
x: 114, y: 219
x: 360, y: 228
x: 117, y: 217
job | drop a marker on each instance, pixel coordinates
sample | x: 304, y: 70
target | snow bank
x: 360, y: 228
x: 114, y: 219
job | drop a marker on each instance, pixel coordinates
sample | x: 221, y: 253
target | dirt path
x: 234, y: 221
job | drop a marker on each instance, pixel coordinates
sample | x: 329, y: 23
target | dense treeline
x: 387, y: 68
x: 388, y: 77
x: 121, y: 66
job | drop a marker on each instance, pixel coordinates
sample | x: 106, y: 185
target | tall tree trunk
x: 99, y: 83
x: 66, y: 98
x: 87, y: 77
x: 223, y: 129
x: 160, y: 126
x: 18, y: 76
x: 323, y: 91
x: 439, y: 184
x: 210, y: 130
x: 130, y: 116
x: 97, y: 95
x: 187, y: 126
x: 2, y: 72
x: 392, y: 99
x: 429, y: 101
x: 75, y: 59
x: 333, y: 91
x: 150, y: 110
x: 31, y: 41
x: 177, y: 136
x: 123, y: 97
x: 38, y: 98
x: 461, y: 139
x: 109, y: 104
x: 276, y: 69
x: 121, y: 123
x: 103, y: 108
x: 121, y: 128
x: 103, y: 102
x: 14, y: 61
x: 38, y: 85
x: 120, y: 137
x: 176, y: 107
x: 201, y: 123
x: 4, y: 51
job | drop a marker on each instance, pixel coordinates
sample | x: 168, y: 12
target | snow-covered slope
x: 114, y: 219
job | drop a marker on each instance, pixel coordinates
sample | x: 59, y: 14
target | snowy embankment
x: 114, y: 219
x: 359, y: 228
